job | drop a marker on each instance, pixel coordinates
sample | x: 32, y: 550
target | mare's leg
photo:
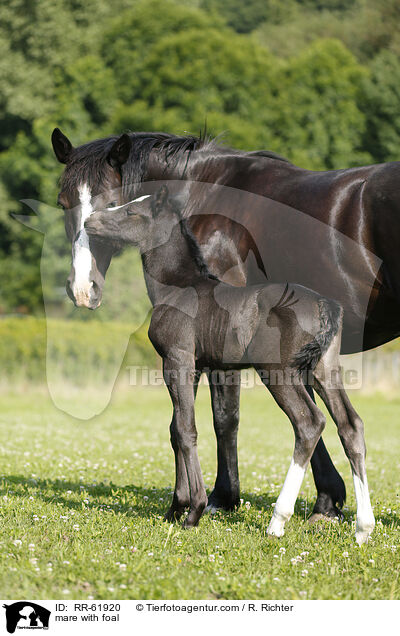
x: 225, y: 408
x: 181, y: 497
x: 179, y: 374
x: 308, y: 423
x: 331, y: 491
x: 351, y: 433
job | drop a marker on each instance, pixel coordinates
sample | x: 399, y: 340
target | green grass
x: 82, y: 504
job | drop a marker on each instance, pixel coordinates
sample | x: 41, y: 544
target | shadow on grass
x: 139, y: 501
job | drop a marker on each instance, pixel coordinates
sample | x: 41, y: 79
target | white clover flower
x: 17, y: 542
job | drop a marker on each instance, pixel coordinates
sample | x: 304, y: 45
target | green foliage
x: 129, y: 41
x: 366, y: 27
x: 244, y: 17
x: 320, y: 93
x: 196, y: 73
x: 382, y: 108
x: 79, y: 353
x: 315, y: 81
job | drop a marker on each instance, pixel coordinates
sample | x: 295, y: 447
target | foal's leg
x: 351, y: 433
x: 179, y: 372
x: 225, y: 408
x: 308, y: 423
x: 329, y: 484
x: 181, y: 497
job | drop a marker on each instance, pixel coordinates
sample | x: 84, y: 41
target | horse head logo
x: 25, y: 614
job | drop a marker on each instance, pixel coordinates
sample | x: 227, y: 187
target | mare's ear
x: 61, y: 145
x: 119, y: 152
x: 159, y: 200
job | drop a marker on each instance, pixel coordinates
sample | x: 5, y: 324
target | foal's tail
x: 330, y: 318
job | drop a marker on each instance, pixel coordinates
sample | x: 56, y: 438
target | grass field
x: 82, y: 504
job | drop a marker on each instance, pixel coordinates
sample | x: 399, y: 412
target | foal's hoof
x: 363, y: 531
x: 173, y: 515
x: 276, y: 528
x: 362, y: 536
x: 188, y: 524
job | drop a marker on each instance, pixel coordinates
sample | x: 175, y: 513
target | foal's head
x: 91, y: 181
x: 145, y: 222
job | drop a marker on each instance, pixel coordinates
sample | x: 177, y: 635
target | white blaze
x: 118, y: 207
x: 81, y: 255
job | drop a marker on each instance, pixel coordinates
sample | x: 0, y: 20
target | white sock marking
x: 365, y: 516
x: 284, y: 506
x: 81, y: 255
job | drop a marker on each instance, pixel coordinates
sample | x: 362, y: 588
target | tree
x: 381, y: 106
x: 319, y: 122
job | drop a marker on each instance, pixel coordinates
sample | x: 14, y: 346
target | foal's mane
x: 88, y: 163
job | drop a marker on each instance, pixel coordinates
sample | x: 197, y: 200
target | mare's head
x: 91, y: 181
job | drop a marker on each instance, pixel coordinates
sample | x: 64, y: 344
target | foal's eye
x: 112, y: 204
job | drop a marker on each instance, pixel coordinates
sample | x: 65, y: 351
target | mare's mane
x: 88, y: 163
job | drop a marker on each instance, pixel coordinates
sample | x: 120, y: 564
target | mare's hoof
x: 211, y: 509
x: 216, y: 503
x: 318, y: 516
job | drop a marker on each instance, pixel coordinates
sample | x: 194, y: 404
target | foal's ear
x: 119, y: 153
x: 160, y: 199
x: 61, y: 145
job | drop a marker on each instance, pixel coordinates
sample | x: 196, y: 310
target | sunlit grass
x: 82, y: 505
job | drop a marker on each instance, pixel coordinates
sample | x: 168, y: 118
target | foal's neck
x: 176, y: 263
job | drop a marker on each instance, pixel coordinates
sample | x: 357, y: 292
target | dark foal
x: 200, y: 323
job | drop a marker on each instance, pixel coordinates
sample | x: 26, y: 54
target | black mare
x: 360, y: 203
x: 200, y: 322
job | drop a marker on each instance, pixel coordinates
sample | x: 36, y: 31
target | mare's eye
x: 112, y: 204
